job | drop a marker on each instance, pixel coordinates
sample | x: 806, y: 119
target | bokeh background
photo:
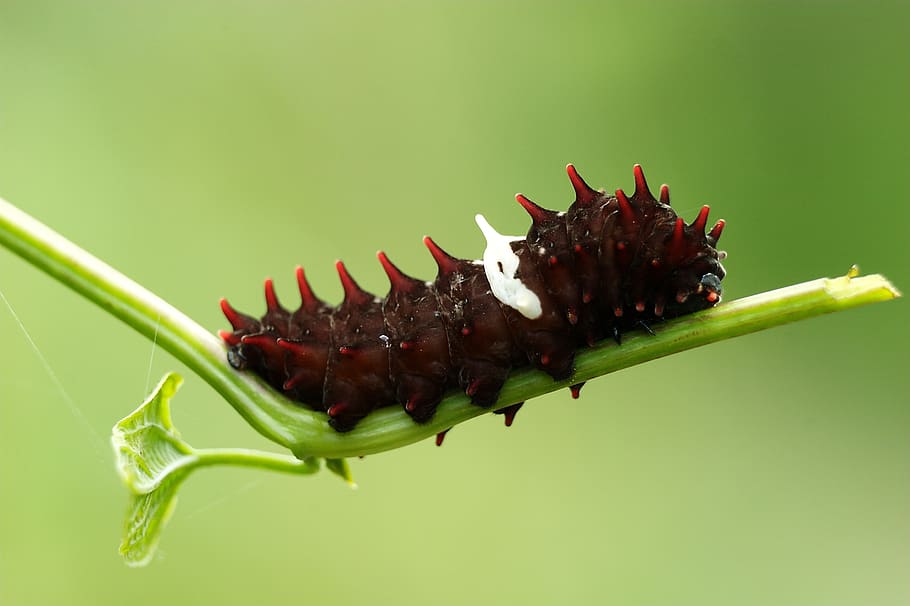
x: 201, y: 146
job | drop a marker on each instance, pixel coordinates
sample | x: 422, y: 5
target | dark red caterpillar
x: 610, y: 264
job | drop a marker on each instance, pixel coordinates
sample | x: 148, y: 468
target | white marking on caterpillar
x: 500, y: 264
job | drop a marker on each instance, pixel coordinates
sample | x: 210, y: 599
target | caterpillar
x: 610, y: 264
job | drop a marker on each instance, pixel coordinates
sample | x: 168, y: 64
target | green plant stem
x: 307, y: 434
x: 242, y: 457
x: 186, y: 340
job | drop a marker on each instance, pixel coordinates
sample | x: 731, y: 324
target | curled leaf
x: 153, y: 461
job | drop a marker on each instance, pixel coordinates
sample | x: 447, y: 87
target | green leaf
x: 146, y: 516
x: 147, y: 446
x: 153, y: 461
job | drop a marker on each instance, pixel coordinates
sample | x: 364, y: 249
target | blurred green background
x: 201, y: 146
